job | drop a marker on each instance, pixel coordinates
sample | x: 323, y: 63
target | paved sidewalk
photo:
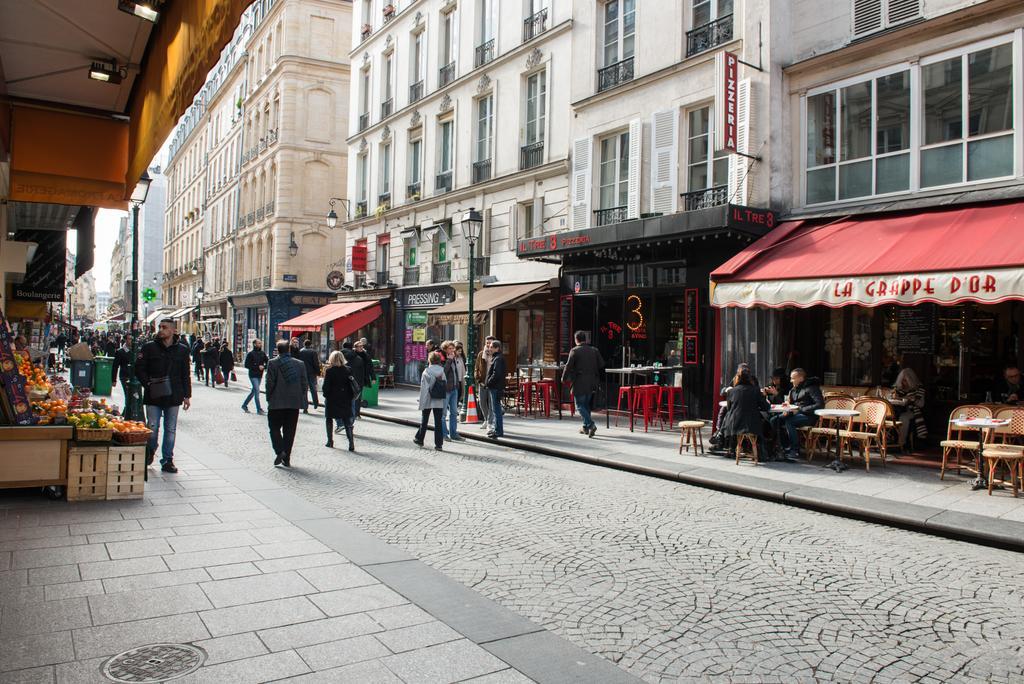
x: 268, y: 585
x: 906, y: 495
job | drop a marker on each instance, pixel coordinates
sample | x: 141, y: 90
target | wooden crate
x: 126, y: 471
x: 87, y: 473
x: 33, y: 456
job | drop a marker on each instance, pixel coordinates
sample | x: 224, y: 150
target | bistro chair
x: 1009, y: 437
x: 751, y: 440
x: 955, y: 443
x: 869, y: 432
x: 826, y: 427
x: 691, y: 436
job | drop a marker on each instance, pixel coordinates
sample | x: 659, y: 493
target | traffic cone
x: 471, y: 416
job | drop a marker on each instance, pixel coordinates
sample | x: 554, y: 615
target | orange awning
x: 346, y: 316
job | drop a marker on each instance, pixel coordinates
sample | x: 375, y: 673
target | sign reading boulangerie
x: 727, y: 66
x: 951, y: 287
x: 44, y: 279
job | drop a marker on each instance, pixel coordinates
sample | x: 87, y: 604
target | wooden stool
x: 691, y: 436
x: 1014, y: 461
x: 750, y: 439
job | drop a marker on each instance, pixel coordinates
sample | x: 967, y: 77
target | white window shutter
x: 664, y: 161
x: 636, y: 146
x: 738, y: 165
x: 455, y: 39
x: 538, y: 216
x: 485, y: 235
x: 867, y: 16
x: 581, y: 190
x: 902, y: 10
x: 514, y: 233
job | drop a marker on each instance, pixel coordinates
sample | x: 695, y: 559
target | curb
x: 937, y: 522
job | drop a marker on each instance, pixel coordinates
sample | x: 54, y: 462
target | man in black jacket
x: 368, y: 375
x: 311, y: 359
x: 162, y: 366
x: 122, y: 364
x: 583, y: 371
x: 805, y: 398
x: 495, y: 384
x: 256, y: 362
x: 357, y: 367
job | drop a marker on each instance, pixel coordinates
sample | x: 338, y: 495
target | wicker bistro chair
x: 1009, y: 437
x: 866, y: 430
x: 825, y: 430
x: 956, y: 443
x: 1007, y: 448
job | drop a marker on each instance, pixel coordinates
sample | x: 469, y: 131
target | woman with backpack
x: 433, y: 392
x: 338, y: 389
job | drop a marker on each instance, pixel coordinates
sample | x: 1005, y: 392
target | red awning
x: 346, y: 316
x: 946, y: 255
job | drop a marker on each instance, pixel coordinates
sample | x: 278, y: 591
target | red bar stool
x: 627, y: 393
x: 668, y: 395
x: 646, y: 399
x: 545, y: 390
x: 526, y: 396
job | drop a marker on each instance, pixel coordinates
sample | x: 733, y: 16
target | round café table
x: 983, y: 426
x: 837, y: 464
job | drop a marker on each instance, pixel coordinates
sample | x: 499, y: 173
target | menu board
x: 690, y: 352
x: 915, y: 331
x: 692, y: 314
x: 565, y: 331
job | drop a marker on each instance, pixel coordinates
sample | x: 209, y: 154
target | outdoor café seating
x: 959, y: 440
x: 866, y: 430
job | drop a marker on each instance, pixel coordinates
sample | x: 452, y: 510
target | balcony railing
x: 411, y: 275
x: 382, y: 278
x: 615, y: 74
x: 708, y: 197
x: 415, y: 92
x: 531, y: 155
x: 446, y: 75
x: 250, y: 218
x: 263, y: 144
x: 481, y: 266
x: 441, y: 273
x: 239, y: 286
x: 364, y: 121
x: 259, y: 214
x: 412, y: 191
x: 606, y: 217
x: 386, y: 107
x: 272, y: 136
x: 241, y: 222
x: 535, y: 24
x: 366, y: 31
x: 484, y: 53
x: 711, y: 34
x: 361, y: 209
x: 266, y: 282
x: 444, y: 182
x: 270, y: 209
x: 481, y: 170
x: 384, y: 200
x: 359, y: 280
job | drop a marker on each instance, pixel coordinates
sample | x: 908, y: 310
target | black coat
x: 744, y: 415
x: 211, y: 358
x: 253, y: 360
x: 337, y: 391
x: 197, y: 352
x: 368, y: 374
x: 122, y: 359
x: 311, y: 358
x: 157, y: 360
x: 583, y: 370
x: 496, y: 373
x: 808, y: 397
x: 355, y: 365
x: 227, y: 361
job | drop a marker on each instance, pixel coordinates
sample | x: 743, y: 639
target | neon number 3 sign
x: 637, y: 310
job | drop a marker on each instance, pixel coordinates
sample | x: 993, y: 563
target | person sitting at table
x: 908, y: 397
x: 805, y: 397
x: 1008, y: 390
x: 778, y: 389
x: 745, y: 405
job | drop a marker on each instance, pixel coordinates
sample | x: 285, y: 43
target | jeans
x: 209, y: 377
x: 312, y: 390
x: 484, y: 405
x: 583, y: 405
x: 254, y: 393
x: 199, y: 370
x: 790, y: 423
x: 282, y: 424
x: 346, y: 422
x: 497, y: 411
x: 451, y: 407
x: 438, y: 426
x: 170, y: 419
x: 124, y: 388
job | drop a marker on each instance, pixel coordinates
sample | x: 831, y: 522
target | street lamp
x: 332, y: 218
x: 133, y: 404
x: 293, y: 246
x: 472, y: 225
x: 71, y: 303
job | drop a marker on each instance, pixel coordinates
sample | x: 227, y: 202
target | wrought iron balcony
x: 259, y: 214
x: 250, y: 218
x: 384, y: 200
x: 263, y: 144
x: 415, y: 92
x: 481, y: 171
x: 411, y: 275
x: 272, y: 136
x: 535, y: 24
x: 606, y: 217
x: 708, y: 197
x: 364, y: 121
x: 382, y: 278
x: 531, y: 155
x: 361, y: 209
x: 241, y: 222
x: 711, y: 34
x: 266, y: 282
x: 481, y: 266
x: 270, y: 208
x: 615, y: 74
x: 444, y: 182
x: 484, y: 53
x: 446, y: 75
x: 386, y: 107
x: 441, y: 273
x: 412, y: 191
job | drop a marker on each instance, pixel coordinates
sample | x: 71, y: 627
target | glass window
x: 385, y: 169
x: 536, y: 107
x: 362, y: 165
x: 706, y: 11
x: 484, y: 127
x: 614, y: 171
x: 447, y: 38
x: 942, y: 84
x: 530, y: 336
x: 705, y: 168
x: 364, y: 107
x: 527, y: 214
x: 446, y: 147
x: 388, y: 59
x: 416, y: 59
x: 619, y: 30
x: 415, y: 160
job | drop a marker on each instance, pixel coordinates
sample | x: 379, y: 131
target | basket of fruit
x: 91, y: 426
x: 130, y: 432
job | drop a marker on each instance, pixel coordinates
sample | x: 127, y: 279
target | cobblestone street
x: 668, y: 581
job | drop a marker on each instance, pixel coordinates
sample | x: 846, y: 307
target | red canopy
x: 347, y: 317
x: 945, y: 255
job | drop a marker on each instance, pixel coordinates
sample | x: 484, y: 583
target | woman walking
x: 227, y: 363
x: 433, y: 392
x: 211, y: 362
x: 338, y: 394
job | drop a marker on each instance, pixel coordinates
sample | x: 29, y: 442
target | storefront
x: 854, y: 300
x: 639, y: 287
x: 328, y: 326
x: 213, y: 320
x: 258, y: 316
x: 413, y: 328
x: 184, y: 318
x: 378, y: 332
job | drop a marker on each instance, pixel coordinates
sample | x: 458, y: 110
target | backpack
x: 439, y: 390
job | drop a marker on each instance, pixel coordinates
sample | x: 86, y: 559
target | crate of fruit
x: 87, y: 473
x: 87, y: 434
x: 130, y: 432
x: 126, y: 472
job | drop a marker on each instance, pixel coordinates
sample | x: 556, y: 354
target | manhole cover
x: 154, y: 663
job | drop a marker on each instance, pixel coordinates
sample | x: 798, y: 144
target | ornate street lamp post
x: 472, y: 225
x: 133, y: 406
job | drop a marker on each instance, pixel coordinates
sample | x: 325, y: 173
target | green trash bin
x: 370, y: 394
x: 103, y: 378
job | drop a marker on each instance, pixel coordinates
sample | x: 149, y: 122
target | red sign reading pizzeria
x: 729, y: 113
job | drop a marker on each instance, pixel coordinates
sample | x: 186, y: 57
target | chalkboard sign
x: 692, y: 312
x: 565, y: 331
x: 690, y: 354
x: 916, y: 330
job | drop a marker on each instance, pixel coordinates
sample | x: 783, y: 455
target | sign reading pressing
x: 726, y: 109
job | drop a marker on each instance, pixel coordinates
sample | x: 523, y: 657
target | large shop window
x: 870, y: 137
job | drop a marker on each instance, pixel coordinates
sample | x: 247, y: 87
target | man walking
x: 583, y: 373
x: 121, y: 365
x: 355, y: 364
x: 286, y: 395
x: 495, y: 384
x: 368, y: 375
x: 480, y: 365
x: 256, y: 362
x: 162, y: 366
x: 311, y: 359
